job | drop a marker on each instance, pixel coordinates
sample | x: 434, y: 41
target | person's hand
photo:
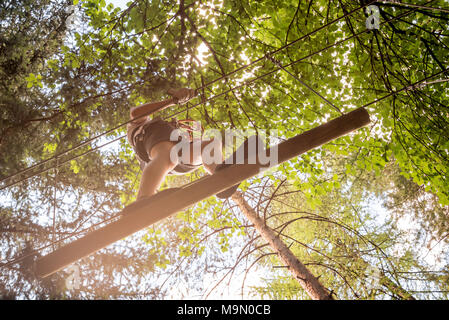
x: 182, y: 95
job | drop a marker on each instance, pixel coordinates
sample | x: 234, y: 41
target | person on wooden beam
x: 152, y: 141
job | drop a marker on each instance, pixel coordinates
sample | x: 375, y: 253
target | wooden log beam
x: 145, y: 213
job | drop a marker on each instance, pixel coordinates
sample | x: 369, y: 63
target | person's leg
x: 203, y: 152
x: 155, y: 171
x: 211, y: 154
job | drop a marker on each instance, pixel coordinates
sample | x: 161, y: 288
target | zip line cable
x: 293, y: 62
x: 202, y: 87
x: 417, y: 6
x: 35, y: 251
x: 194, y: 106
x: 290, y: 43
x: 276, y: 62
x: 55, y: 191
x: 82, y: 143
x: 407, y: 87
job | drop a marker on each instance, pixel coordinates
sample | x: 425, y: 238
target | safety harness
x: 138, y: 134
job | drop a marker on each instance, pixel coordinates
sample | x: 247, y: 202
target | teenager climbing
x: 150, y: 139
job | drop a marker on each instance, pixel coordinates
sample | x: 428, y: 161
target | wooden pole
x: 145, y: 213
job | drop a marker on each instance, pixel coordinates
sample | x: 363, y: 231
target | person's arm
x: 148, y: 108
x: 180, y: 96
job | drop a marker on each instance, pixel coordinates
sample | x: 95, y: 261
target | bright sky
x: 119, y: 3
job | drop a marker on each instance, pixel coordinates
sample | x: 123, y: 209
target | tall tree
x: 120, y: 58
x: 307, y: 280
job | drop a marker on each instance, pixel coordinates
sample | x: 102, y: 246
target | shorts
x: 154, y: 133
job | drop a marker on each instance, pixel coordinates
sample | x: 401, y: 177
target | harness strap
x: 191, y: 129
x: 138, y: 134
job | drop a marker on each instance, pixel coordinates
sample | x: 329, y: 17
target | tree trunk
x: 306, y: 279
